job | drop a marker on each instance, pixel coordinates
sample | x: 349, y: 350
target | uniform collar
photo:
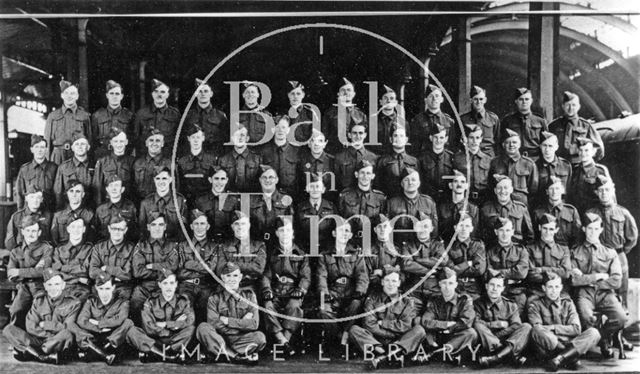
x: 77, y: 162
x: 172, y: 302
x: 114, y: 111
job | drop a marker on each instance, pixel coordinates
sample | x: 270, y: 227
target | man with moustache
x: 450, y: 210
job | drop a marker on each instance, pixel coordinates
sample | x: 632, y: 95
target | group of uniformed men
x: 473, y: 244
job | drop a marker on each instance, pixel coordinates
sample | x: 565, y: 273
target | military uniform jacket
x: 63, y: 123
x: 157, y: 309
x: 165, y: 119
x: 522, y: 171
x: 561, y: 314
x: 189, y: 267
x: 73, y: 261
x: 62, y: 218
x: 385, y: 125
x: 124, y: 208
x: 285, y: 273
x: 354, y: 201
x: 143, y: 173
x: 218, y: 209
x: 544, y: 257
x: 420, y: 258
x: 529, y: 127
x: 110, y: 316
x: 388, y: 171
x: 516, y: 211
x: 160, y: 254
x: 303, y: 130
x: 396, y: 318
x: 401, y: 204
x: 225, y: 304
x: 439, y: 312
x: 263, y: 219
x: 568, y: 130
x: 568, y: 221
x: 13, y: 236
x: 559, y: 167
x: 422, y: 124
x: 303, y: 223
x: 112, y: 164
x: 581, y: 192
x: 381, y: 255
x: 167, y: 206
x: 242, y: 179
x: 345, y: 165
x: 73, y: 169
x: 331, y: 121
x: 433, y: 166
x: 41, y: 175
x: 253, y: 120
x: 284, y: 159
x: 512, y: 262
x: 488, y: 313
x: 333, y: 269
x: 469, y: 276
x: 490, y: 125
x: 479, y: 165
x: 325, y: 165
x: 104, y: 119
x: 57, y: 314
x: 214, y: 124
x: 449, y: 215
x: 591, y: 259
x: 620, y: 229
x: 193, y: 172
x: 116, y: 258
x: 251, y: 260
x: 30, y: 260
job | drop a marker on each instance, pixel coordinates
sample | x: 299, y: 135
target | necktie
x: 241, y: 164
x: 267, y: 200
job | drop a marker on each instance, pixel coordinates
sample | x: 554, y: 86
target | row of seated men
x: 435, y: 312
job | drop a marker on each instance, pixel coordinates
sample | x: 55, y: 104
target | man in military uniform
x: 103, y: 322
x: 387, y: 329
x: 450, y: 210
x: 116, y: 205
x: 213, y: 122
x: 423, y: 123
x: 620, y: 229
x: 567, y: 216
x: 315, y: 206
x: 303, y: 116
x: 362, y: 199
x: 448, y: 320
x: 252, y: 114
x: 113, y: 115
x: 316, y: 161
x: 159, y: 115
x: 282, y: 156
x: 570, y: 127
x: 468, y: 257
x: 250, y: 255
x: 411, y: 203
x: 391, y: 165
x: 596, y: 275
x: 193, y: 276
x: 547, y: 255
x: 168, y: 317
x: 162, y: 201
x: 521, y: 169
x: 511, y: 260
x: 231, y: 329
x: 582, y: 191
x: 33, y: 207
x: 384, y: 251
x: 72, y: 258
x: 501, y: 332
x: 388, y: 116
x: 341, y: 117
x: 436, y: 162
x: 527, y: 125
x: 269, y: 205
x: 64, y: 122
x: 39, y: 172
x: 194, y: 166
x: 50, y: 323
x: 487, y: 121
x: 556, y: 328
x: 25, y: 267
x: 342, y: 281
x: 549, y: 165
x: 117, y: 162
x: 144, y: 166
x: 241, y: 164
x: 477, y: 164
x: 75, y: 168
x: 75, y: 208
x: 504, y: 207
x: 218, y: 204
x: 285, y: 282
x: 347, y: 160
x: 150, y: 256
x: 113, y: 256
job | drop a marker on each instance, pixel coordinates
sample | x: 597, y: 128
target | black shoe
x: 110, y: 359
x: 21, y: 356
x: 520, y: 361
x: 626, y: 345
x: 574, y: 365
x: 143, y: 357
x: 52, y: 358
x: 605, y: 349
x: 378, y: 362
x: 289, y: 351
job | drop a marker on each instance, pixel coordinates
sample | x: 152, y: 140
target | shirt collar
x: 172, y: 302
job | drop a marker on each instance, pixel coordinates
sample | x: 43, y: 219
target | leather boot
x: 567, y: 356
x: 605, y: 348
x: 108, y: 358
x: 51, y: 358
x: 497, y: 358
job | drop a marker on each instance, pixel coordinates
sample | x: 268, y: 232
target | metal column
x: 463, y: 56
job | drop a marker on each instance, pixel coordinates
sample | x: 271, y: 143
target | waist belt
x: 65, y: 146
x: 194, y: 175
x: 341, y: 280
x: 474, y: 195
x: 466, y: 280
x: 195, y: 281
x: 284, y: 279
x: 513, y: 282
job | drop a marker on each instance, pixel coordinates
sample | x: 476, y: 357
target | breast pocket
x: 521, y: 180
